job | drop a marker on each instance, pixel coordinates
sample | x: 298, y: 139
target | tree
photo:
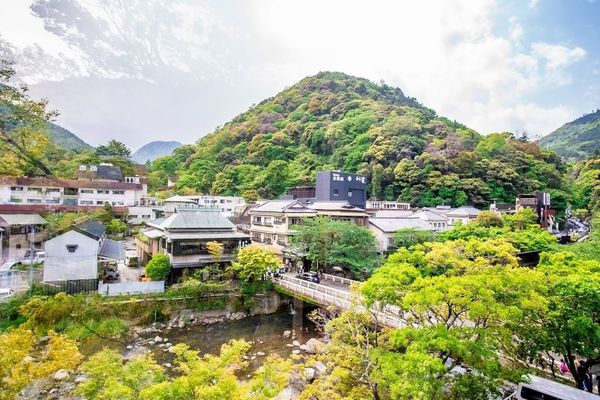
x: 24, y: 358
x: 410, y: 236
x: 489, y: 219
x: 253, y: 261
x: 251, y: 196
x: 330, y: 243
x: 109, y: 377
x: 23, y: 146
x: 215, y: 249
x: 159, y: 267
x: 116, y: 227
x: 114, y: 148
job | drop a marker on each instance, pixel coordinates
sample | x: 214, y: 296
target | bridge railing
x: 316, y: 287
x: 339, y: 279
x: 320, y: 296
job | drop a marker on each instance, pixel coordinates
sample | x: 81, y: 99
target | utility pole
x: 31, y: 249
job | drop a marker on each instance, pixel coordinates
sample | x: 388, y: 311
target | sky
x: 143, y: 70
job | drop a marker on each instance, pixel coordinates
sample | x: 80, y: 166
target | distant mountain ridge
x: 577, y: 139
x: 153, y: 150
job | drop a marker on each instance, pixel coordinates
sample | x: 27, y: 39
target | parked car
x: 38, y: 258
x: 10, y: 265
x: 309, y: 276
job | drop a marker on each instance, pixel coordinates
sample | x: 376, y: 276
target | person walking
x: 563, y: 367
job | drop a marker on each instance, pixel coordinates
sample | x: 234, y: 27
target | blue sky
x: 146, y: 70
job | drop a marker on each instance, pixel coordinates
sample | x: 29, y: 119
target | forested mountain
x: 577, y: 139
x: 336, y: 121
x: 153, y: 150
x: 58, y: 135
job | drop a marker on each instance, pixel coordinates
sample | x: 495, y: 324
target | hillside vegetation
x: 336, y: 121
x: 577, y: 139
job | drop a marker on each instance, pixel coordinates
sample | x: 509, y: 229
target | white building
x: 52, y: 192
x: 373, y: 205
x: 71, y: 256
x: 438, y: 222
x: 462, y: 215
x: 226, y: 204
x: 139, y: 215
x: 384, y: 230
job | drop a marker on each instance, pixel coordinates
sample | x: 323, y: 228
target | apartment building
x: 53, y: 192
x: 271, y: 223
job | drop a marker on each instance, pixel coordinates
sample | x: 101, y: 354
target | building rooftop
x: 396, y: 224
x: 179, y: 199
x: 464, y: 211
x: 334, y: 206
x: 23, y: 219
x: 428, y: 215
x: 289, y: 206
x: 100, y: 171
x: 113, y: 249
x: 91, y: 227
x: 70, y: 183
x: 198, y: 218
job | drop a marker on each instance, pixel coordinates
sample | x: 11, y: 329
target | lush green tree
x: 330, y: 243
x: 116, y: 227
x: 159, y: 267
x: 251, y: 196
x: 410, y: 236
x: 253, y: 261
x: 113, y: 148
x: 110, y: 377
x: 489, y: 219
x: 23, y: 144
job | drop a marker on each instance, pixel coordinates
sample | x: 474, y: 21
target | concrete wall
x: 61, y: 265
x: 115, y: 289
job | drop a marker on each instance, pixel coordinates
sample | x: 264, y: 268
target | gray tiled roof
x: 23, y: 219
x: 334, y: 206
x: 464, y: 211
x: 93, y: 227
x: 281, y: 206
x: 427, y: 215
x: 200, y: 218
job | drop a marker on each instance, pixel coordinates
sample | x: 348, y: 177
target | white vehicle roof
x: 8, y: 265
x: 556, y: 389
x: 5, y: 291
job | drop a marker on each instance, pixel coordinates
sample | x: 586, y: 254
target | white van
x: 544, y: 389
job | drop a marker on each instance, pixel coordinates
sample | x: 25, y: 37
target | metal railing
x: 324, y: 295
x: 339, y: 279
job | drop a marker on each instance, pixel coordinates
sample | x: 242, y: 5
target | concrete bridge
x: 335, y: 291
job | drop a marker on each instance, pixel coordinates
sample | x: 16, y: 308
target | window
x: 336, y: 192
x: 102, y: 192
x: 52, y: 190
x: 118, y: 192
x: 82, y: 168
x: 71, y: 248
x: 349, y: 193
x: 88, y: 191
x: 99, y: 202
x: 391, y: 242
x: 93, y: 168
x: 71, y: 191
x: 34, y: 200
x: 86, y: 202
x: 16, y: 188
x: 34, y: 189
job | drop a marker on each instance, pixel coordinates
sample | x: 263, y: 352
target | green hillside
x: 575, y: 140
x: 336, y: 121
x: 58, y: 135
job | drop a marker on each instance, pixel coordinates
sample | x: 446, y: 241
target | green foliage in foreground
x: 200, y: 377
x: 253, y: 262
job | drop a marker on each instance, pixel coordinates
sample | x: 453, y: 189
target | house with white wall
x: 384, y: 230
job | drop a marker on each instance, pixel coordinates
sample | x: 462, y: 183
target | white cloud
x: 533, y: 3
x: 444, y: 52
x: 557, y: 55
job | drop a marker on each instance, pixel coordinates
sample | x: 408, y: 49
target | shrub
x: 158, y: 268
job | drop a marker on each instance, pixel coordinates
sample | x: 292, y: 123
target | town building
x: 73, y: 258
x: 272, y: 223
x: 226, y: 204
x: 540, y: 204
x: 341, y: 211
x: 138, y: 215
x: 437, y: 222
x: 462, y: 215
x: 342, y: 186
x: 376, y: 205
x: 19, y: 233
x: 183, y: 237
x: 53, y: 194
x: 502, y: 208
x: 332, y: 186
x: 384, y: 230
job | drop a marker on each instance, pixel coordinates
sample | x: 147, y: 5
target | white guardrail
x: 340, y: 298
